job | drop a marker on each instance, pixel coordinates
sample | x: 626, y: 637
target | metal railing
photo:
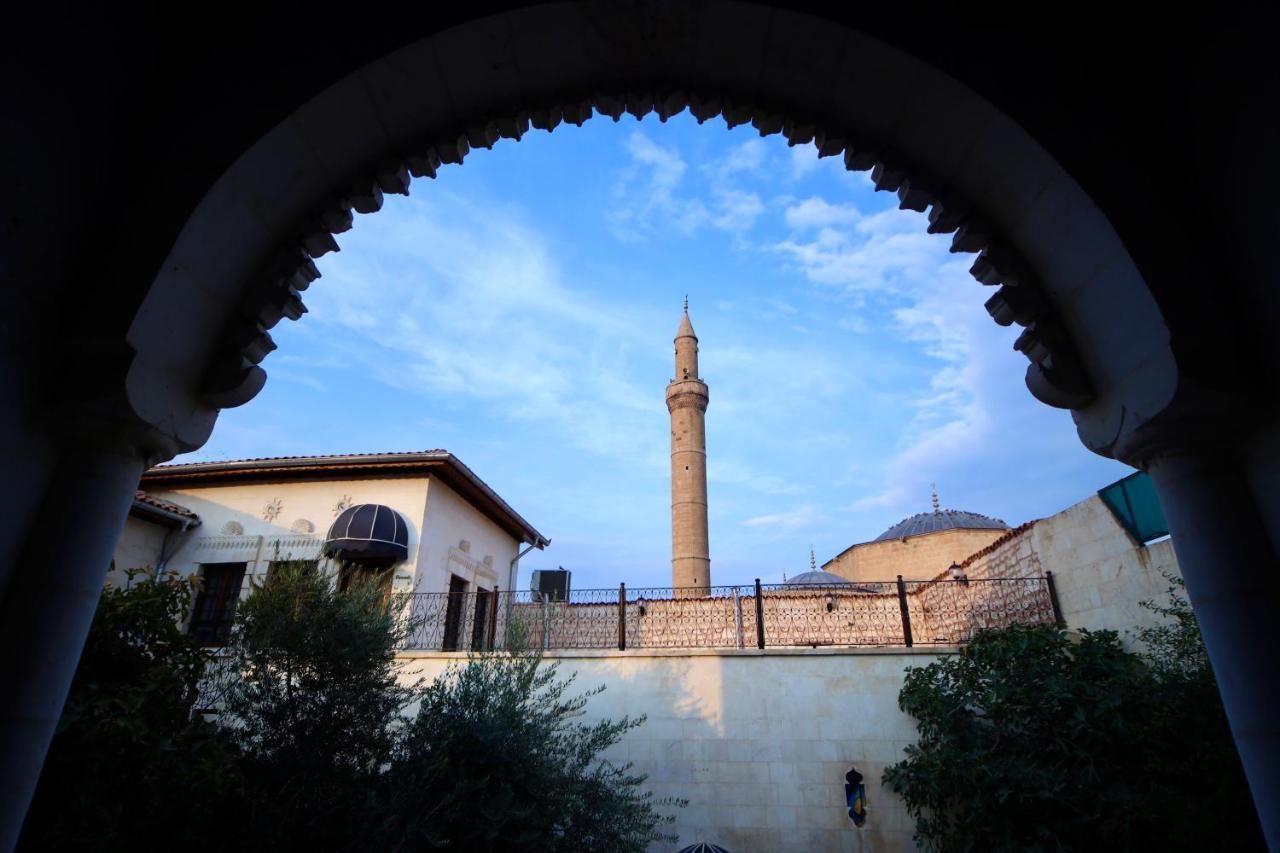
x: 881, y: 613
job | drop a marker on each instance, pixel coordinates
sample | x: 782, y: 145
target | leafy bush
x: 311, y: 692
x: 1032, y: 740
x: 496, y: 754
x: 127, y: 759
x: 315, y: 750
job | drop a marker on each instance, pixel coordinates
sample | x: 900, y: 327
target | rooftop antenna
x: 933, y: 487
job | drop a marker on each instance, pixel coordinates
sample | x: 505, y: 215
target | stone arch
x: 1092, y: 331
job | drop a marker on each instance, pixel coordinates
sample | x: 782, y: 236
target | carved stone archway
x: 1098, y: 341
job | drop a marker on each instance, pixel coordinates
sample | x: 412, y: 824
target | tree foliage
x: 496, y: 751
x: 311, y: 692
x: 1034, y: 740
x: 315, y: 748
x: 127, y: 758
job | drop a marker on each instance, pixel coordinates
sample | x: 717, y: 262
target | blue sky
x: 519, y: 311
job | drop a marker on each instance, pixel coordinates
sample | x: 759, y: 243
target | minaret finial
x: 813, y: 560
x: 933, y: 487
x: 686, y: 303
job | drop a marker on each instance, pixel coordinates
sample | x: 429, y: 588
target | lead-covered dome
x: 941, y: 519
x: 368, y: 532
x: 817, y: 577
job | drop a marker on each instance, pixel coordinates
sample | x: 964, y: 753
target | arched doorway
x: 1095, y: 336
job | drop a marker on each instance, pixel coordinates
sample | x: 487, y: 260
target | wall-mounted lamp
x: 957, y: 574
x: 640, y: 606
x: 831, y: 602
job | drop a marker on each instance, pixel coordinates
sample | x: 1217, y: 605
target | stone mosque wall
x: 916, y: 558
x: 758, y: 742
x: 1100, y: 572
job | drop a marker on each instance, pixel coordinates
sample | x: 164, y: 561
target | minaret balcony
x: 686, y: 393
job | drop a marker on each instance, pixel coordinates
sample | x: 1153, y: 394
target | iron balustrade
x: 880, y: 613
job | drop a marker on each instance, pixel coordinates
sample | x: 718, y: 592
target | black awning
x: 368, y: 532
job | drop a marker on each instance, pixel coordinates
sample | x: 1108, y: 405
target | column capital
x: 1198, y: 422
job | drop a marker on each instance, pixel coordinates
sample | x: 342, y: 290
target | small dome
x: 817, y: 577
x: 368, y: 532
x: 941, y: 519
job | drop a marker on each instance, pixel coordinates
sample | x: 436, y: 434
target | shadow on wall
x: 759, y: 744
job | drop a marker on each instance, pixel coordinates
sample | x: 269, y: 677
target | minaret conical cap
x: 686, y: 328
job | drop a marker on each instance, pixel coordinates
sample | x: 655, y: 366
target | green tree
x: 1191, y: 733
x: 1033, y: 740
x: 495, y: 760
x: 311, y: 691
x: 128, y: 758
x: 315, y: 749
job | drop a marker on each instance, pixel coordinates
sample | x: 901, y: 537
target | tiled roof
x: 345, y: 456
x: 143, y: 501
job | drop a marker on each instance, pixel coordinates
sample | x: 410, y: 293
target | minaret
x: 687, y: 402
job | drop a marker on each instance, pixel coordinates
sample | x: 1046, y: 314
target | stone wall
x: 1100, y: 572
x: 915, y: 558
x: 757, y: 742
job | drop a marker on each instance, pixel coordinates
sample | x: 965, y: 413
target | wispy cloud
x: 804, y: 159
x: 833, y: 245
x: 800, y: 518
x: 816, y: 212
x: 651, y: 196
x: 478, y: 309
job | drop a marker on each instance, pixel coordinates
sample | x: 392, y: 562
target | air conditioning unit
x: 550, y: 585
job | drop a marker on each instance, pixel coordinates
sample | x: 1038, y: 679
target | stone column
x: 49, y: 606
x: 1231, y: 571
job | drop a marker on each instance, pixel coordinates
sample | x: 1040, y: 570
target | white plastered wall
x: 447, y: 535
x: 138, y: 548
x: 459, y: 540
x: 237, y: 526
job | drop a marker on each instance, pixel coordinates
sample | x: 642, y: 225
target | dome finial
x: 813, y: 561
x: 686, y: 303
x: 933, y: 487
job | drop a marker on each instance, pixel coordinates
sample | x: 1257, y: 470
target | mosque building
x: 919, y: 546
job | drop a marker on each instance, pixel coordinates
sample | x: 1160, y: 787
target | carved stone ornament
x: 273, y: 509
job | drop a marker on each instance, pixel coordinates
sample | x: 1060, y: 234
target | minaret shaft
x: 687, y: 402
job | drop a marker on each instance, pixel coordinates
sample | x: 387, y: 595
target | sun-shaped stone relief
x: 343, y: 503
x: 273, y: 509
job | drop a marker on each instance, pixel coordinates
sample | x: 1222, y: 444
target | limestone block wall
x: 915, y: 558
x: 757, y: 742
x: 1101, y: 574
